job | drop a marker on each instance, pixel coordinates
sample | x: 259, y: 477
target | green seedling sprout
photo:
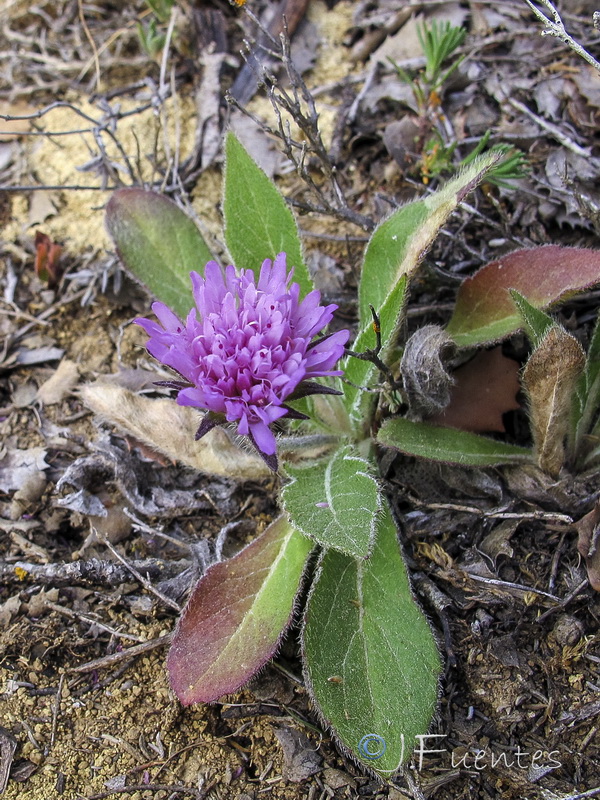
x: 161, y: 9
x: 513, y: 166
x: 151, y: 38
x: 439, y: 42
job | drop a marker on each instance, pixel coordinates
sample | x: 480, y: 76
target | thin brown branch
x: 299, y: 105
x: 67, y: 612
x: 93, y: 572
x: 129, y: 652
x: 138, y: 576
x: 90, y: 39
x: 198, y: 794
x: 46, y: 187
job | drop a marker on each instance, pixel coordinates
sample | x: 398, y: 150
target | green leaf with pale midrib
x: 363, y: 629
x: 388, y: 256
x: 393, y: 253
x: 258, y: 223
x: 449, y: 445
x: 345, y: 485
x: 158, y: 243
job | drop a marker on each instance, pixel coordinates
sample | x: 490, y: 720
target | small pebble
x: 568, y: 630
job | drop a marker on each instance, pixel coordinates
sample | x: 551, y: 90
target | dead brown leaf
x: 41, y: 206
x: 9, y: 609
x: 497, y: 542
x: 59, y: 384
x: 588, y: 544
x: 485, y: 388
x: 169, y: 429
x: 13, y: 128
x: 549, y: 380
x: 38, y: 603
x: 16, y: 466
x: 8, y: 745
x: 300, y: 760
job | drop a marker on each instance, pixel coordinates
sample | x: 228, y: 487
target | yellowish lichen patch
x: 57, y: 160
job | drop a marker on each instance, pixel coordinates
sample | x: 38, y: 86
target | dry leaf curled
x: 549, y: 380
x: 426, y: 381
x: 170, y: 428
x: 588, y: 544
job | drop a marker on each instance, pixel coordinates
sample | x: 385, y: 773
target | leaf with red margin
x: 158, y: 243
x: 236, y: 616
x: 47, y: 254
x: 485, y: 311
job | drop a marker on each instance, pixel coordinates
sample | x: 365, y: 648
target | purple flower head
x: 246, y: 348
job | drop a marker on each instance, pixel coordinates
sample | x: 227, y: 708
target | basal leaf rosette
x: 247, y: 348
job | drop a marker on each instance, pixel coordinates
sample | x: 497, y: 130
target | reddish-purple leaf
x: 236, y: 616
x: 47, y: 254
x: 484, y: 310
x: 484, y: 389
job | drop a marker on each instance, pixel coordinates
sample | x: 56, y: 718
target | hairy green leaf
x: 587, y: 398
x: 236, y: 615
x: 258, y: 223
x: 361, y: 376
x: 389, y: 255
x: 485, y: 311
x: 158, y: 243
x: 371, y: 662
x: 399, y: 243
x: 535, y: 322
x: 335, y: 502
x: 448, y: 445
x: 563, y: 387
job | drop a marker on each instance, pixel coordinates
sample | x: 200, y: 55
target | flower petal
x: 167, y: 318
x: 246, y: 347
x: 263, y: 437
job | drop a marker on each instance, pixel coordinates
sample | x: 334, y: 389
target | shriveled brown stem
x: 91, y: 572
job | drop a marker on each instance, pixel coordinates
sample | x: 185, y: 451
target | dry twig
x: 555, y: 27
x: 138, y: 576
x: 128, y: 653
x: 56, y: 709
x: 67, y: 612
x: 198, y: 794
x: 93, y: 572
x: 298, y: 104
